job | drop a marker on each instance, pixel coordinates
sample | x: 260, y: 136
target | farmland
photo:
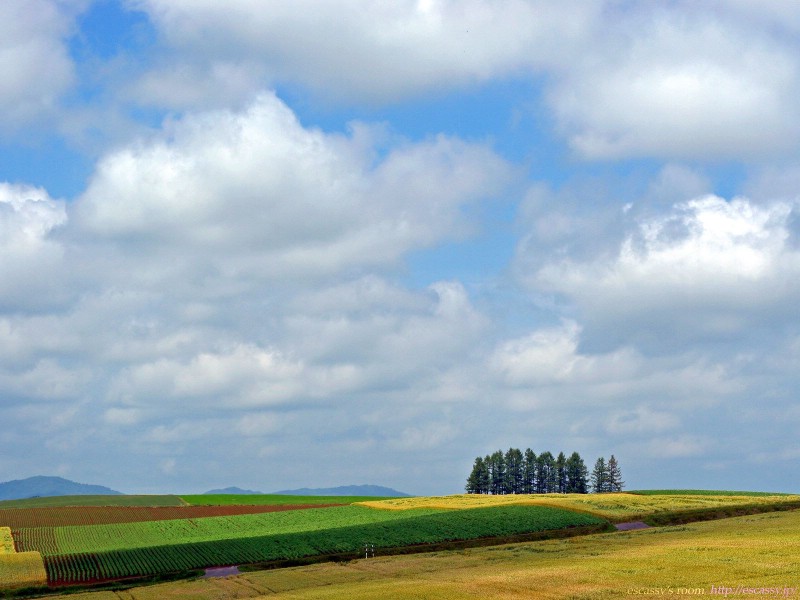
x: 18, y: 518
x: 54, y: 501
x: 758, y: 552
x: 19, y: 569
x: 81, y: 554
x: 127, y: 540
x: 267, y: 499
x: 616, y: 507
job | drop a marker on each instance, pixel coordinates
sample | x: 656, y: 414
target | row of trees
x: 517, y: 472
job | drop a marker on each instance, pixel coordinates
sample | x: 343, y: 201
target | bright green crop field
x: 269, y: 499
x: 96, y: 552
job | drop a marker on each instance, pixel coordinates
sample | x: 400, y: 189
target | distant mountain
x: 33, y: 487
x: 345, y: 490
x: 232, y: 490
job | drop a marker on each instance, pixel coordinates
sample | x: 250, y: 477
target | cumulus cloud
x: 677, y: 91
x: 684, y: 81
x: 241, y: 264
x: 30, y: 260
x: 34, y: 61
x: 362, y: 51
x: 279, y: 199
x: 709, y: 268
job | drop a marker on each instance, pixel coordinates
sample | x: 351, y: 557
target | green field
x: 85, y: 553
x: 758, y: 553
x: 268, y: 499
x: 108, y: 500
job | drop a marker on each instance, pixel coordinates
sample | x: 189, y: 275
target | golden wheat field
x: 730, y: 557
x: 6, y: 541
x: 19, y: 569
x: 615, y: 507
x: 22, y: 569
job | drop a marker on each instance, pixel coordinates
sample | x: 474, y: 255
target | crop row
x: 17, y: 518
x: 117, y: 536
x: 386, y: 531
x: 91, y: 500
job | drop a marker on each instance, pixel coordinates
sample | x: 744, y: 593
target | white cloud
x: 357, y: 50
x: 30, y: 261
x: 278, y: 199
x: 243, y: 376
x: 707, y: 269
x: 685, y: 83
x: 34, y: 61
x: 549, y: 356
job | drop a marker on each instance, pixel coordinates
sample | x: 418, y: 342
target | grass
x: 91, y: 500
x: 704, y: 493
x: 268, y: 499
x: 756, y: 552
x: 618, y: 507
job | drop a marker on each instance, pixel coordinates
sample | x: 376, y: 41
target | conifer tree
x: 545, y: 473
x: 514, y: 473
x: 614, y: 476
x: 561, y: 473
x: 600, y: 476
x: 497, y: 470
x: 577, y: 475
x: 477, y: 482
x: 529, y: 472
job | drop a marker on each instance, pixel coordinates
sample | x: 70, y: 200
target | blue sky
x: 307, y: 244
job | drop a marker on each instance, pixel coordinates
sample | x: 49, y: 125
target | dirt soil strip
x: 631, y: 526
x: 20, y: 518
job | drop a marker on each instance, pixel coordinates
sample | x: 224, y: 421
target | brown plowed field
x: 18, y: 518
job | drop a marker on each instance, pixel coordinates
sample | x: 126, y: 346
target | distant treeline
x: 517, y: 472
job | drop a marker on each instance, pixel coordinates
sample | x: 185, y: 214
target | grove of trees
x: 517, y: 472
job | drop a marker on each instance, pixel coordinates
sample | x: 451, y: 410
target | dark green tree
x: 529, y: 472
x: 497, y: 472
x: 600, y: 476
x: 614, y: 476
x: 545, y: 473
x: 478, y: 480
x: 561, y: 473
x: 577, y: 475
x: 514, y: 471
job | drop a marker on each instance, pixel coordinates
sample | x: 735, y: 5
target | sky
x: 304, y: 243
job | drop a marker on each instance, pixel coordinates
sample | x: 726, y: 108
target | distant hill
x: 33, y: 487
x: 345, y: 490
x: 232, y: 490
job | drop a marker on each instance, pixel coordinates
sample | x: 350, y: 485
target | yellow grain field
x: 22, y: 569
x: 19, y: 569
x: 615, y: 507
x: 6, y: 541
x: 736, y: 558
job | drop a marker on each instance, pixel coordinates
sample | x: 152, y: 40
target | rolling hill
x: 39, y: 485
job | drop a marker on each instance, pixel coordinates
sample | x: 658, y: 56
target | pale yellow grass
x: 22, y: 569
x: 6, y: 541
x: 616, y: 507
x: 760, y: 551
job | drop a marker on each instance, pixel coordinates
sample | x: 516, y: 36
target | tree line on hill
x: 517, y: 472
